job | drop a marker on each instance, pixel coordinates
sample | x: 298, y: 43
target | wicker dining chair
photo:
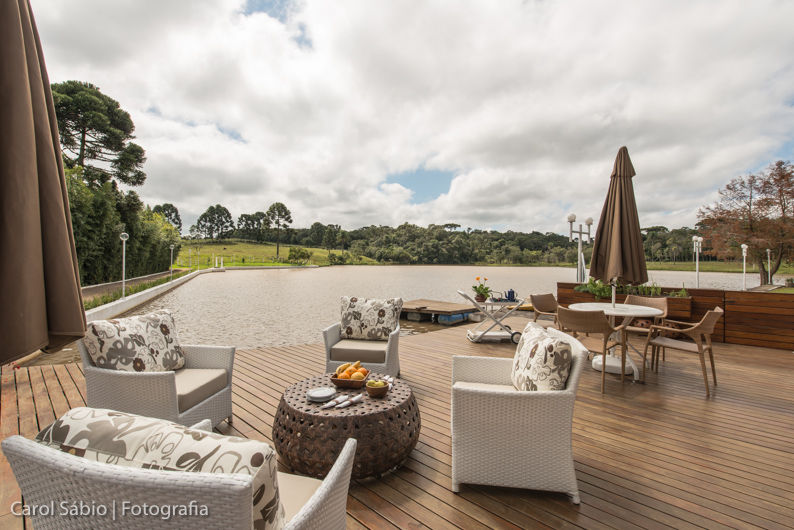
x: 700, y: 333
x: 574, y: 321
x: 544, y: 305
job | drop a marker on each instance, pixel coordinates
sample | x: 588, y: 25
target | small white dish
x: 320, y: 394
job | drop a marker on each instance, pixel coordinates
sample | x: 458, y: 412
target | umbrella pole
x: 614, y: 287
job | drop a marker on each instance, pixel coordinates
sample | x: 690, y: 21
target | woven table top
x: 295, y: 397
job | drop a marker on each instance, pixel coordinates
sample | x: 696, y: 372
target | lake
x: 291, y: 306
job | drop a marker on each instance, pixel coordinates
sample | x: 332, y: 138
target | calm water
x: 292, y: 306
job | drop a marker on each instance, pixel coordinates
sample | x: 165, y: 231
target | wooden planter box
x: 677, y: 308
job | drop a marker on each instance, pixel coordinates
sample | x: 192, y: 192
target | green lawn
x: 244, y: 254
x: 784, y: 290
x: 712, y: 266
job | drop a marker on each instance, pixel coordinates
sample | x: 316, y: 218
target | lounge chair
x: 46, y: 474
x: 512, y: 438
x: 199, y: 390
x: 377, y: 352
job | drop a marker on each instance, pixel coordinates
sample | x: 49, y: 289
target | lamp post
x: 697, y: 246
x: 124, y: 236
x: 580, y: 267
x: 769, y: 266
x: 171, y: 267
x: 744, y: 267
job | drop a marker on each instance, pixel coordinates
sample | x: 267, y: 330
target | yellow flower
x: 477, y: 278
x: 486, y: 279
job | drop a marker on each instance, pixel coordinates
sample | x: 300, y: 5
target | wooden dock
x: 436, y: 307
x: 445, y: 313
x: 658, y: 455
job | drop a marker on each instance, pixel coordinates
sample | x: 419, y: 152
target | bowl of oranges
x: 350, y: 375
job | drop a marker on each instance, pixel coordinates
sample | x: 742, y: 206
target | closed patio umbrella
x: 39, y: 280
x: 618, y: 255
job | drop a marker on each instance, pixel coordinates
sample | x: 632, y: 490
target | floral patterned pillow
x: 144, y: 343
x: 543, y: 359
x: 370, y: 318
x: 128, y: 440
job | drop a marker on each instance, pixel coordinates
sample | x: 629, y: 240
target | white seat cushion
x: 366, y: 351
x: 194, y: 385
x: 295, y: 491
x: 466, y: 385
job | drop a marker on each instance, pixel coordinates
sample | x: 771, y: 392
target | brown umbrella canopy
x: 617, y: 249
x: 39, y: 280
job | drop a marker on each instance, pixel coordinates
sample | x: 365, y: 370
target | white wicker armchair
x: 505, y: 437
x: 48, y: 475
x: 332, y: 335
x: 156, y: 394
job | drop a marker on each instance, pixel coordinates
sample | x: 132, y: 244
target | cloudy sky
x: 504, y: 115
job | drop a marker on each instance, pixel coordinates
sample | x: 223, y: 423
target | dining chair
x: 544, y: 305
x: 657, y: 302
x: 596, y: 322
x: 700, y: 333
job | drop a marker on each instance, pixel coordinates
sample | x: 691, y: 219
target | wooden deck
x: 647, y: 456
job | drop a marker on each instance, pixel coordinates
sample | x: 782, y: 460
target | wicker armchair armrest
x: 331, y: 335
x: 152, y: 393
x: 491, y: 370
x: 393, y: 341
x: 201, y: 356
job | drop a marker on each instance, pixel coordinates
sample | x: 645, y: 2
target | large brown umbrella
x: 618, y: 255
x: 39, y: 280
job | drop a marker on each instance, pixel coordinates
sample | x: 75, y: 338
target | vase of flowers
x: 481, y: 291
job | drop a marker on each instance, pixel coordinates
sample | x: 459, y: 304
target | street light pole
x: 171, y: 267
x: 769, y: 266
x: 580, y: 266
x: 124, y: 236
x: 744, y: 267
x: 697, y: 244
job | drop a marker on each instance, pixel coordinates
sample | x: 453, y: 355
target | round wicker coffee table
x: 308, y: 439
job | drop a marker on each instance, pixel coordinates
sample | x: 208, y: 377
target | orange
x: 344, y: 375
x: 363, y: 371
x: 350, y: 371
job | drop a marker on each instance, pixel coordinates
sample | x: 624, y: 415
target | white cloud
x: 526, y: 102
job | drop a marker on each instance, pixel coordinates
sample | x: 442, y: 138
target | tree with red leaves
x: 757, y: 210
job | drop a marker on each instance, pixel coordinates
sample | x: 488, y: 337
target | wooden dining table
x: 630, y: 311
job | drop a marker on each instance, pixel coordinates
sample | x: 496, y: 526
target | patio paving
x: 647, y: 456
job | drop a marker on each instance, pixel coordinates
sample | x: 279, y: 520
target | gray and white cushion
x: 370, y: 318
x: 144, y: 343
x: 128, y: 440
x: 542, y: 360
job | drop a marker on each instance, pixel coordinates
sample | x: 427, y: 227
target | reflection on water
x: 292, y: 306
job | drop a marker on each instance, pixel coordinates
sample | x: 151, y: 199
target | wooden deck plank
x: 653, y: 455
x: 9, y: 426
